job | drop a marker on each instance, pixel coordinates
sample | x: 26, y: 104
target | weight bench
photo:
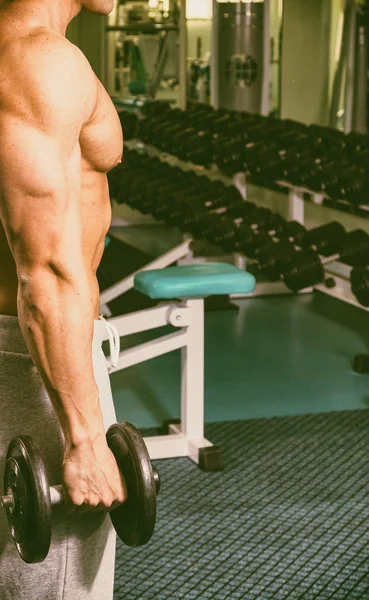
x: 183, y: 290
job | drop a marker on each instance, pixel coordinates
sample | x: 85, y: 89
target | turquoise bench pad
x: 190, y: 281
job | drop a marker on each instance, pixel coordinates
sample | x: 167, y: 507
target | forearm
x: 57, y: 319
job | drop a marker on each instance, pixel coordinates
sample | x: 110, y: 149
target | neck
x: 53, y: 14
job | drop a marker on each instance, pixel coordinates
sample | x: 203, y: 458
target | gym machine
x: 351, y: 74
x: 240, y: 63
x: 143, y: 49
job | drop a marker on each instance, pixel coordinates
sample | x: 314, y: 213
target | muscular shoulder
x: 48, y: 72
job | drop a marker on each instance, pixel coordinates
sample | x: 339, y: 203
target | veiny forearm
x: 56, y: 317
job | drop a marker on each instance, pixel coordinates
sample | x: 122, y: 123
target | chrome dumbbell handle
x: 7, y: 501
x: 56, y: 497
x: 56, y: 494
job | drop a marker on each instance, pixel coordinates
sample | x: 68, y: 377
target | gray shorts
x: 80, y: 564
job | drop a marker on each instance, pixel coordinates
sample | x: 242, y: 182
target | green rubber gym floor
x: 276, y: 356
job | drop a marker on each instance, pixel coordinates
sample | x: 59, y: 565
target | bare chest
x: 101, y: 140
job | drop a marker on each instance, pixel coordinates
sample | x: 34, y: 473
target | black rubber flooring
x: 287, y: 518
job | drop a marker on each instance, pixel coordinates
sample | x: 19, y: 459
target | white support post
x: 214, y: 58
x: 318, y: 198
x: 296, y: 205
x: 183, y: 56
x: 350, y: 66
x: 239, y: 182
x: 240, y: 261
x: 192, y: 388
x: 265, y: 93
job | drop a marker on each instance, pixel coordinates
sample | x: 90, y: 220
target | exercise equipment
x: 359, y: 278
x: 361, y: 364
x: 183, y: 290
x: 28, y: 499
x: 129, y: 122
x: 272, y: 150
x: 325, y: 239
x: 217, y: 213
x: 234, y: 224
x: 303, y: 268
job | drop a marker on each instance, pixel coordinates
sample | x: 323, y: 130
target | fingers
x: 82, y: 506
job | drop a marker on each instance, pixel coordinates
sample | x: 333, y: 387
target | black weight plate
x: 134, y: 520
x: 296, y: 231
x: 301, y: 269
x: 277, y: 224
x: 361, y: 363
x: 354, y: 248
x: 359, y: 278
x: 243, y: 237
x: 30, y: 520
x: 270, y: 255
x: 326, y: 238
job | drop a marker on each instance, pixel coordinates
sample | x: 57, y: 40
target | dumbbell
x: 129, y: 121
x: 292, y: 136
x: 155, y: 108
x: 325, y: 239
x: 217, y: 198
x: 150, y: 187
x: 304, y: 268
x: 359, y: 278
x: 269, y: 254
x: 28, y: 499
x: 343, y: 183
x: 263, y: 222
x: 328, y: 137
x: 267, y: 168
x: 360, y: 364
x: 238, y: 234
x: 274, y: 226
x: 229, y: 154
x: 297, y: 166
x: 173, y: 200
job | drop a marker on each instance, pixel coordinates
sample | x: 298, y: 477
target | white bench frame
x: 187, y: 316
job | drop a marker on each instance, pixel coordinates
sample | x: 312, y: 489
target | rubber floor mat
x: 287, y: 518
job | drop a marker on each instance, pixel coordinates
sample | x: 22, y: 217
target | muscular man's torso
x: 101, y: 147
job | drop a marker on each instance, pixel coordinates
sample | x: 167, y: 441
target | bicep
x: 40, y: 188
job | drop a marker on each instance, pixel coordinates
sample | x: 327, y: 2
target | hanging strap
x: 114, y: 343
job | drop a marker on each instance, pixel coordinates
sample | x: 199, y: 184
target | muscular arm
x: 43, y: 107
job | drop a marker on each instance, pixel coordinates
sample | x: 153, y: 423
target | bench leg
x: 192, y: 374
x: 186, y: 438
x: 200, y: 450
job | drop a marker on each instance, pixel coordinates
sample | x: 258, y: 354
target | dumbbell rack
x: 338, y: 272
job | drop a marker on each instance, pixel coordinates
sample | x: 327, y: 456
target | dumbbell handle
x: 56, y: 494
x: 56, y: 497
x: 329, y: 259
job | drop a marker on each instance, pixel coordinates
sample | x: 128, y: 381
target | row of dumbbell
x: 217, y: 212
x: 271, y: 150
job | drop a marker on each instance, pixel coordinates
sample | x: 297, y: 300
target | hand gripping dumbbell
x: 28, y: 498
